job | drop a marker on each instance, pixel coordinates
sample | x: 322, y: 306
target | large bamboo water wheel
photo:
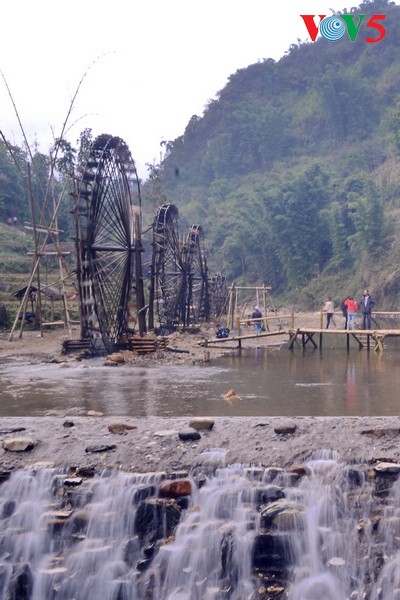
x: 109, y: 244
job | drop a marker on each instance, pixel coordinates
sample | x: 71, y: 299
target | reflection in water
x: 298, y: 383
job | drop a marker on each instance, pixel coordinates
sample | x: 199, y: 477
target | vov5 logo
x: 334, y: 28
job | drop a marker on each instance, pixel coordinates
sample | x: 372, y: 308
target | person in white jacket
x: 329, y: 309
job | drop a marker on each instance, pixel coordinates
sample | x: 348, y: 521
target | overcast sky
x: 149, y: 65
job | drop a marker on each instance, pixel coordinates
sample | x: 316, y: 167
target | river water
x: 272, y: 382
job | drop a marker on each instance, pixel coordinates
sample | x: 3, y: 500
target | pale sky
x: 149, y: 65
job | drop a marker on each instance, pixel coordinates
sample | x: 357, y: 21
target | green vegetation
x: 293, y: 169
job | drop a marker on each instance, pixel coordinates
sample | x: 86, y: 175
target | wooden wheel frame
x: 109, y: 197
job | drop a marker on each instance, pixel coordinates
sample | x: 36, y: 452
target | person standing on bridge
x: 329, y: 309
x: 366, y: 309
x: 256, y: 314
x: 351, y: 312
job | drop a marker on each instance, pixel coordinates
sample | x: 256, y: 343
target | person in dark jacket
x: 366, y: 309
x: 256, y: 314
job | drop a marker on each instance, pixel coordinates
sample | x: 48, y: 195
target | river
x: 270, y: 382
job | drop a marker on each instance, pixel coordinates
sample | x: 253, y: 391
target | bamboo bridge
x: 314, y: 337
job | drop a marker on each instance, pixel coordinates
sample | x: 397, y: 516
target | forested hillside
x: 293, y: 170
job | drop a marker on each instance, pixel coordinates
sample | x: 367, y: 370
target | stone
x: 68, y: 424
x: 285, y: 429
x: 72, y: 481
x: 117, y: 357
x: 165, y: 433
x: 230, y: 394
x: 94, y: 413
x: 189, y: 434
x: 269, y: 513
x: 263, y: 494
x: 121, y: 428
x: 175, y: 489
x: 387, y: 467
x: 379, y: 432
x: 272, y: 550
x: 21, y: 584
x: 12, y: 430
x: 100, y: 448
x: 200, y: 423
x: 18, y: 444
x: 156, y: 518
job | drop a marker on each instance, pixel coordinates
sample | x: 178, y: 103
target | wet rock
x: 21, y: 584
x: 189, y: 434
x: 297, y: 470
x: 8, y: 509
x: 355, y: 476
x: 121, y: 428
x: 263, y: 495
x: 156, y: 518
x: 272, y: 473
x: 131, y: 551
x: 18, y: 444
x: 272, y: 550
x: 387, y: 468
x: 200, y: 423
x: 80, y: 521
x: 73, y: 481
x: 142, y: 492
x: 100, y: 448
x: 86, y: 472
x: 68, y: 424
x: 143, y: 564
x: 269, y: 513
x: 110, y: 363
x: 4, y: 475
x: 175, y: 489
x: 255, y: 473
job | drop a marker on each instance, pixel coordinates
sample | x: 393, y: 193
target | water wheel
x: 218, y: 290
x: 168, y: 275
x: 197, y: 293
x: 109, y: 199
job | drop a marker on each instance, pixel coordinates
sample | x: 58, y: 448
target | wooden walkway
x: 365, y: 338
x: 310, y: 336
x: 302, y: 337
x: 239, y: 338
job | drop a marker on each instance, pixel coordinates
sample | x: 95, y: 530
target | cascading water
x: 243, y: 533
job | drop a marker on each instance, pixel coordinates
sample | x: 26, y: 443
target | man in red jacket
x: 351, y: 312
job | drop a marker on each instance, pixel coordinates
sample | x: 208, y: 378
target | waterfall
x: 323, y: 531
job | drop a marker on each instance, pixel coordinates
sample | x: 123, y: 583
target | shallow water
x: 267, y: 382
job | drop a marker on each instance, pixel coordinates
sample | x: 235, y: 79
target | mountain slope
x: 293, y: 170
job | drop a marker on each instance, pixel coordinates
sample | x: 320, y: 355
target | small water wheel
x: 168, y: 274
x: 109, y: 264
x: 197, y: 306
x: 218, y: 295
